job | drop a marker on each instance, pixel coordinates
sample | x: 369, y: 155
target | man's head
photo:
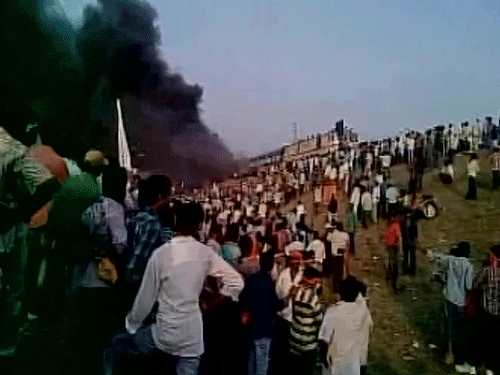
x: 494, y: 260
x: 94, y: 162
x: 349, y: 289
x: 188, y: 218
x: 463, y: 249
x: 155, y: 191
x: 266, y: 261
x: 339, y: 226
x: 312, y: 275
x: 295, y: 259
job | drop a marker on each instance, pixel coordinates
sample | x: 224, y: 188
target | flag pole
x: 123, y: 149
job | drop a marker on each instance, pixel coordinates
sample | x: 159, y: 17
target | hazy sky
x: 381, y: 64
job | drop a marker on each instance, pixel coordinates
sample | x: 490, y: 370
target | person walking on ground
x: 410, y: 241
x: 345, y: 331
x: 351, y: 224
x: 174, y: 277
x: 392, y: 196
x: 376, y: 201
x: 472, y: 171
x: 458, y: 273
x: 366, y: 207
x: 307, y: 315
x: 488, y: 285
x: 393, y: 243
x: 317, y: 198
x: 260, y: 306
x: 317, y: 246
x: 286, y: 286
x: 356, y: 198
x: 332, y: 209
x: 495, y: 168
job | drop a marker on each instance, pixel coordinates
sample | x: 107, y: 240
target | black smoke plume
x: 66, y: 78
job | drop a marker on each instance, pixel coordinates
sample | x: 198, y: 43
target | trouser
x: 495, y: 174
x: 13, y: 256
x: 456, y: 332
x: 419, y: 178
x: 374, y: 212
x: 305, y: 363
x: 366, y: 218
x: 142, y: 343
x: 472, y: 192
x: 232, y: 340
x: 410, y: 259
x: 489, y: 334
x: 410, y: 156
x: 258, y: 363
x: 93, y: 323
x: 392, y: 268
x: 280, y: 348
x: 352, y: 244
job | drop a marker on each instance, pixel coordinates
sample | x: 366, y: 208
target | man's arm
x: 325, y: 336
x: 232, y: 282
x: 146, y: 297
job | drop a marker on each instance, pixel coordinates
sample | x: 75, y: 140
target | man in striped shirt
x: 307, y: 314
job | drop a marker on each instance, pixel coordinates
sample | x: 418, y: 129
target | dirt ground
x: 407, y: 336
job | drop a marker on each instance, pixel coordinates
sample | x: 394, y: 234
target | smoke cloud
x: 66, y: 78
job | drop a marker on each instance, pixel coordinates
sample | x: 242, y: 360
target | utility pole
x: 294, y: 131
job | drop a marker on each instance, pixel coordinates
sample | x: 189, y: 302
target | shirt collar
x: 183, y: 239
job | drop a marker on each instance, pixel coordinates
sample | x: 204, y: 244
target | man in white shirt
x: 174, y: 277
x: 318, y: 247
x: 375, y: 201
x: 355, y: 198
x: 411, y: 149
x: 345, y: 332
x: 366, y: 206
x: 302, y: 182
x: 392, y: 196
x: 339, y: 239
x: 301, y: 209
x: 286, y: 286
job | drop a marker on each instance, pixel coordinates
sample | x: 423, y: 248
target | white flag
x: 123, y: 151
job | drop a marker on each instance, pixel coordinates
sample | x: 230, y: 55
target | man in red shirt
x: 393, y: 242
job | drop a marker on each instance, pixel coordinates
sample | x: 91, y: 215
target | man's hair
x: 463, y: 249
x: 349, y: 289
x: 232, y: 233
x: 114, y: 183
x: 312, y: 273
x: 188, y: 217
x: 151, y: 188
x: 495, y: 249
x: 266, y: 261
x: 245, y: 245
x: 339, y: 226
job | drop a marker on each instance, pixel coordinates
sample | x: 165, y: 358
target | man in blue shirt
x: 145, y: 232
x: 261, y: 305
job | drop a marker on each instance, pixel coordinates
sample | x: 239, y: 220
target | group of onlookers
x: 472, y: 309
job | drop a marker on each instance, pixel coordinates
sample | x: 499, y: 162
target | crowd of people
x: 233, y: 280
x: 120, y: 271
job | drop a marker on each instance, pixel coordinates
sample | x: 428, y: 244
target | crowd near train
x: 252, y: 275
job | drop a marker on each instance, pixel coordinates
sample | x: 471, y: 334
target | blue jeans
x: 142, y: 343
x: 259, y: 356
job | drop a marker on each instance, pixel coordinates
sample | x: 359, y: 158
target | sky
x: 382, y: 65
